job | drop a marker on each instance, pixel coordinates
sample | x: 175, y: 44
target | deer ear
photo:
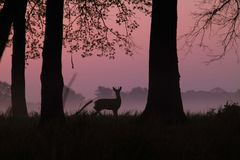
x: 120, y: 88
x: 114, y: 88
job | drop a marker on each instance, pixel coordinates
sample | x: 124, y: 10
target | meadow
x: 214, y: 135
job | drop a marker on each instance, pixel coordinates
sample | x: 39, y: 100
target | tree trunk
x: 5, y: 24
x: 164, y: 97
x: 19, y: 107
x: 51, y: 76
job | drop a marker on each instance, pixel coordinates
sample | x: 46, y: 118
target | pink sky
x: 129, y: 72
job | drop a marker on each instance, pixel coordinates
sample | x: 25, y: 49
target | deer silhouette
x: 109, y: 104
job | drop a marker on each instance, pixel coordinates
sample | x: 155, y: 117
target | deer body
x: 109, y: 104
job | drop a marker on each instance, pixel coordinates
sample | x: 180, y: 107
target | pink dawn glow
x: 130, y: 72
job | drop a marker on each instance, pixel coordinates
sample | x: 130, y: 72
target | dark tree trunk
x: 19, y: 107
x: 51, y: 76
x: 5, y: 24
x: 164, y: 97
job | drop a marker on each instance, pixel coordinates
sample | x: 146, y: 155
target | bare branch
x: 216, y: 18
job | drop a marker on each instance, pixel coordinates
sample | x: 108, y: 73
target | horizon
x: 194, y: 101
x: 213, y: 90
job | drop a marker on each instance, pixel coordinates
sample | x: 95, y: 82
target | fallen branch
x: 67, y: 89
x: 78, y: 112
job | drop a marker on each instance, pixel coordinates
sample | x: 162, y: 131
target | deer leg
x: 97, y: 112
x: 115, y: 113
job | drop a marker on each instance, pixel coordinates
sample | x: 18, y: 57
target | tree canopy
x: 90, y: 27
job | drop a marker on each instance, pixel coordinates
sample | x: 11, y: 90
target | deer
x: 109, y: 104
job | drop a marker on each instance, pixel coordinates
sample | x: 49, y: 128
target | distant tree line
x: 134, y: 93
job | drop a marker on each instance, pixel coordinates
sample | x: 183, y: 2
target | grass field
x: 214, y: 135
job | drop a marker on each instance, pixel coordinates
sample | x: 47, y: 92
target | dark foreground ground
x: 211, y: 136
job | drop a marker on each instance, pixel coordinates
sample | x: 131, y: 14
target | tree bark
x: 51, y: 76
x: 164, y: 96
x: 5, y: 24
x: 19, y: 107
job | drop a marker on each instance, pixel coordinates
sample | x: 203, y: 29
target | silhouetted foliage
x: 72, y: 95
x: 228, y: 110
x: 215, y: 19
x: 88, y: 26
x: 104, y: 92
x: 138, y: 93
x: 106, y: 137
x: 72, y: 100
x: 5, y: 89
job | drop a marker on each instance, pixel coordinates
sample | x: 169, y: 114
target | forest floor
x: 214, y: 135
